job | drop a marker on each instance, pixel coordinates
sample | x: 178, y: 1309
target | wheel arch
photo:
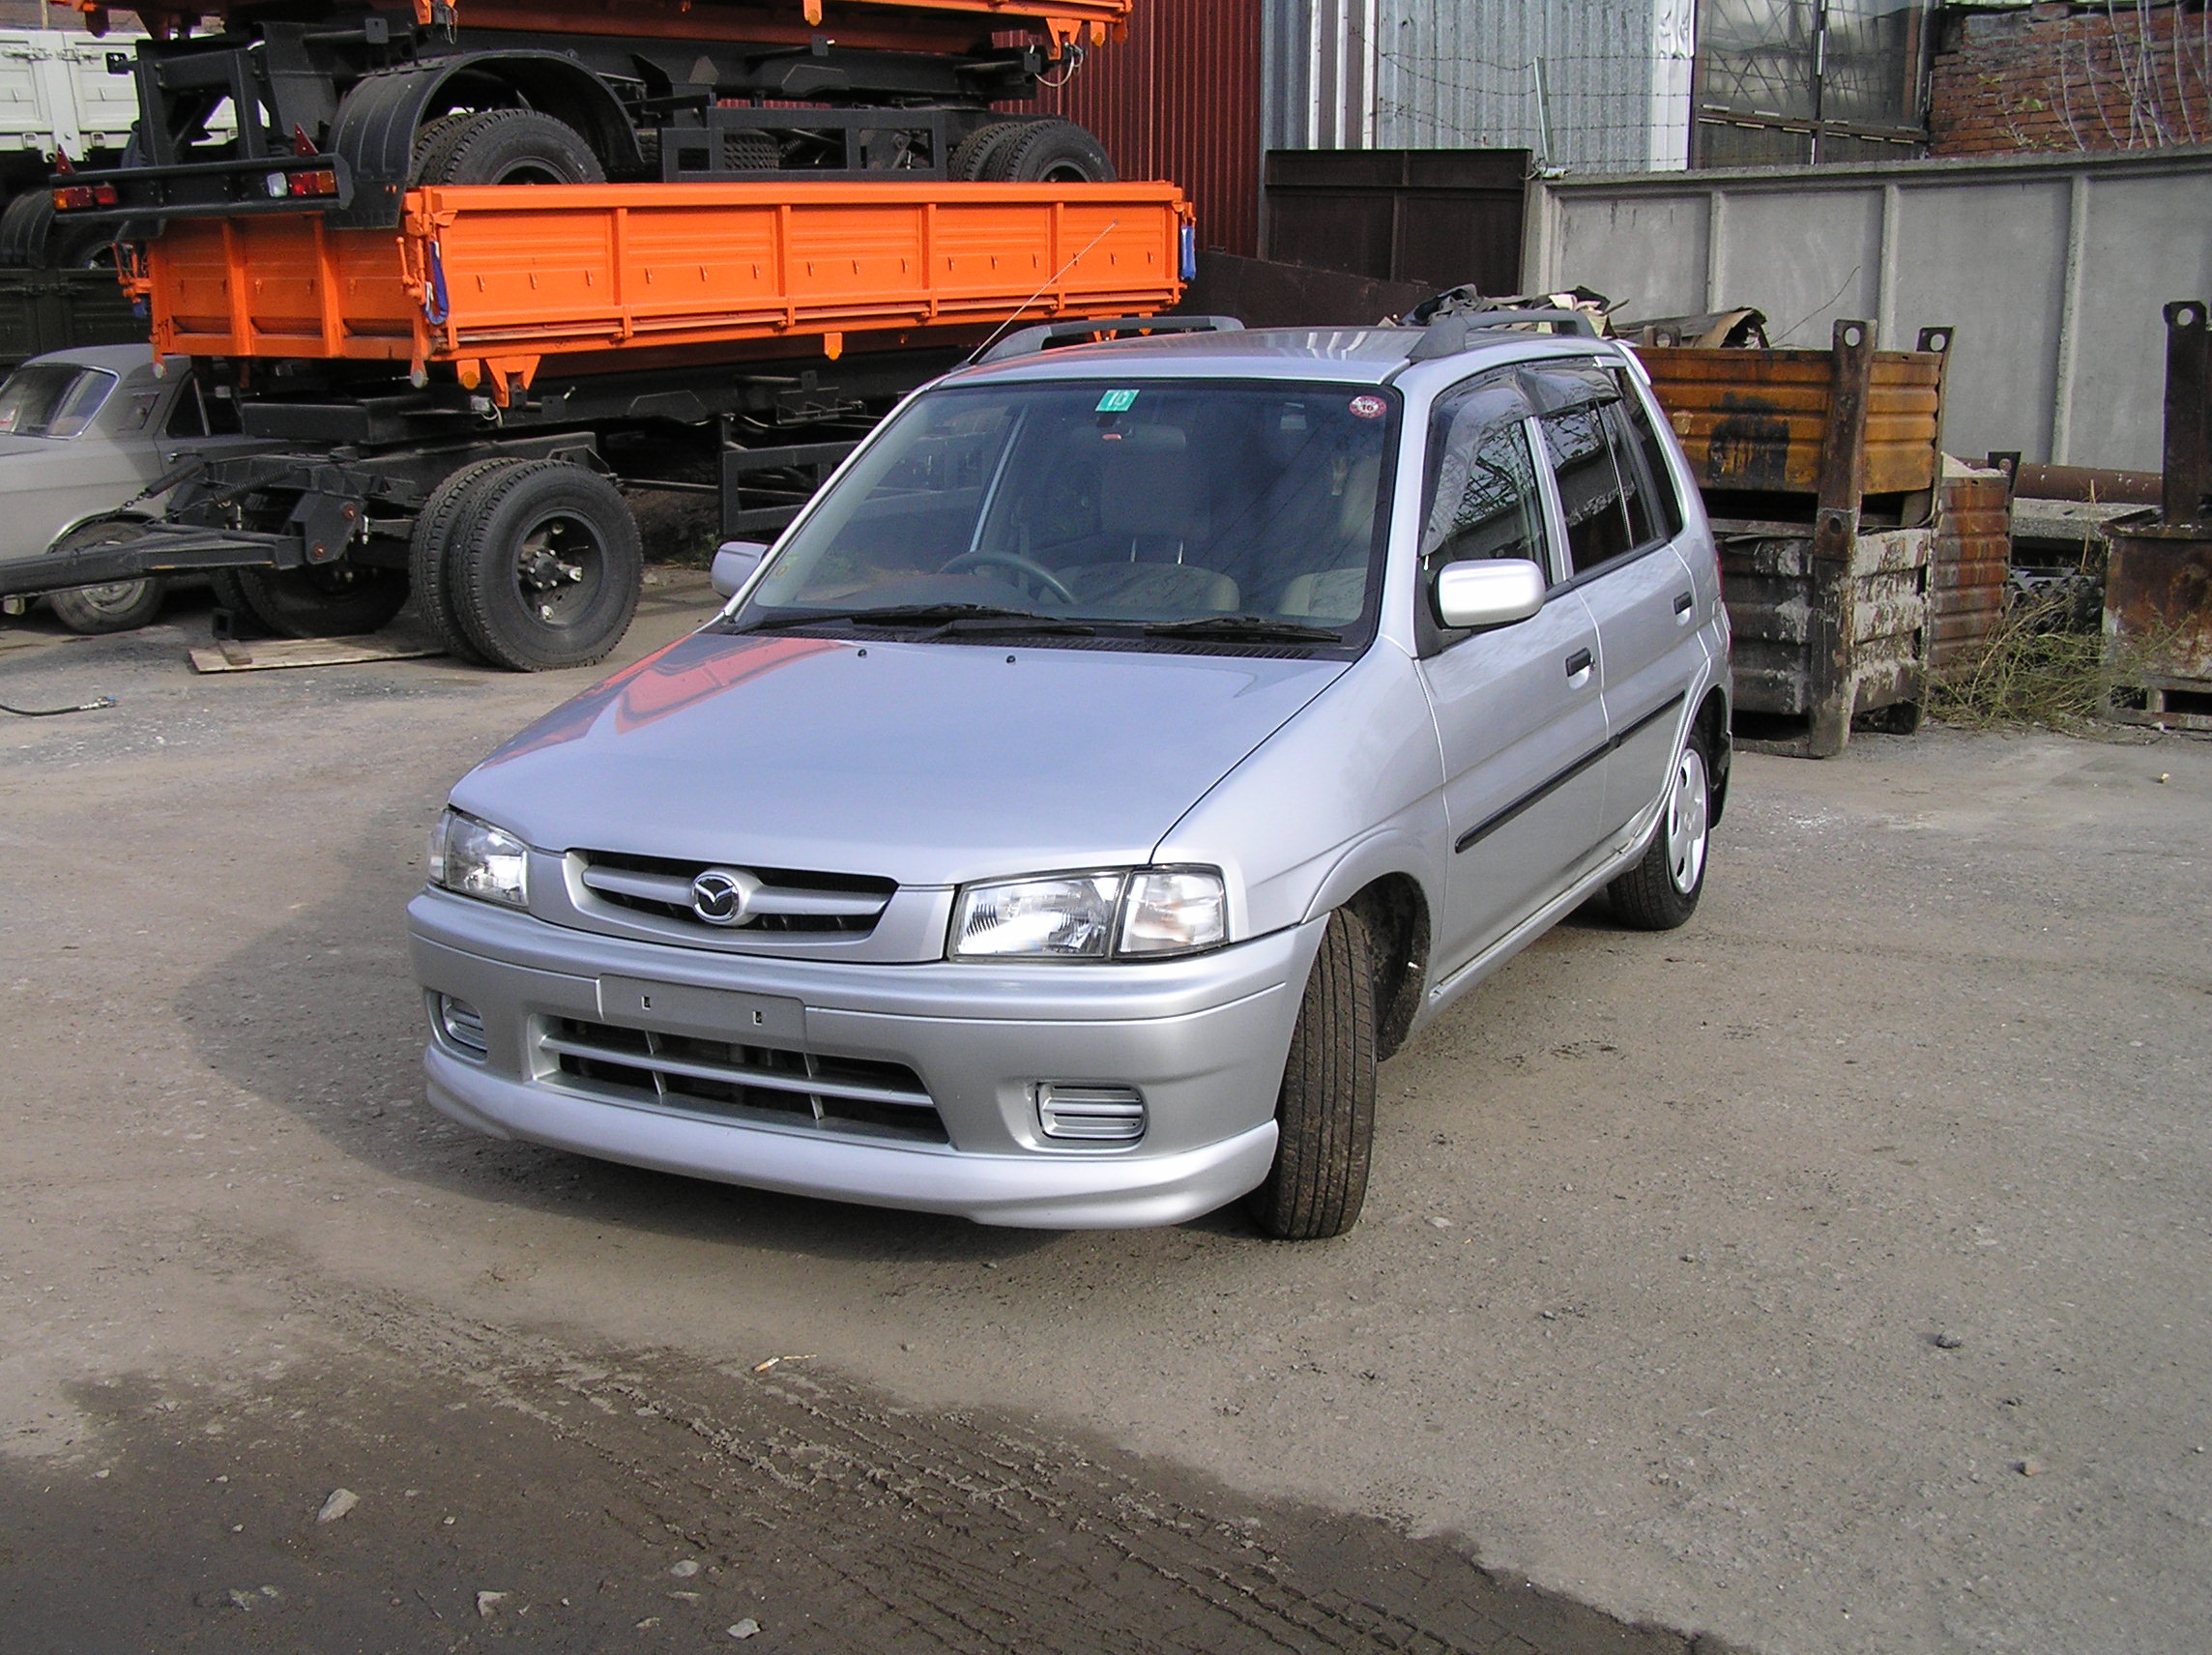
x: 377, y: 122
x: 1713, y: 723
x: 1379, y: 880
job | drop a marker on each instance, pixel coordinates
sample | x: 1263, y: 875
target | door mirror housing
x: 734, y: 564
x: 1490, y: 592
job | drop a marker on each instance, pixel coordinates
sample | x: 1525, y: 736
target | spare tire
x: 1049, y: 152
x: 503, y: 146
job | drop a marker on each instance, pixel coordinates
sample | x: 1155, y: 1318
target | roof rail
x: 1045, y: 335
x: 1449, y: 335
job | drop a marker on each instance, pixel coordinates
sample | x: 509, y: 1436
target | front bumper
x: 1202, y: 1040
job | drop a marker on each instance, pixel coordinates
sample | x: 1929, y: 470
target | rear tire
x: 503, y: 146
x: 972, y: 155
x: 431, y: 557
x: 117, y: 606
x: 1324, y: 1114
x: 545, y: 568
x: 32, y: 238
x: 1049, y: 152
x: 329, y: 600
x: 1662, y: 890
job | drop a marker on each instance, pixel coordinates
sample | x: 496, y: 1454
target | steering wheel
x: 1021, y: 566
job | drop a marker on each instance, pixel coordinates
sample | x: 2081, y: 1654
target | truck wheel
x: 23, y: 230
x: 1049, y: 152
x: 330, y: 601
x: 1325, y: 1112
x: 545, y: 567
x: 504, y: 146
x: 431, y: 557
x: 972, y: 155
x: 1661, y: 891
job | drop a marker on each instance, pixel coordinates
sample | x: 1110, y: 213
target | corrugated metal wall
x: 1179, y: 98
x: 1586, y: 85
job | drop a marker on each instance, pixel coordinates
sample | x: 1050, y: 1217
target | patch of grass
x: 2047, y: 666
x: 2038, y: 669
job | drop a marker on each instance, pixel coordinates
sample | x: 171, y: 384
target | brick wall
x: 2057, y: 77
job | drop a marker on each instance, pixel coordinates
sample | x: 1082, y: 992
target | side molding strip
x: 1484, y: 828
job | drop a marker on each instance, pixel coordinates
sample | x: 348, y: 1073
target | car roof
x: 1350, y: 356
x: 115, y: 358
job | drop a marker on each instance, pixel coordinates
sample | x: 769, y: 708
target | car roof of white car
x: 115, y: 358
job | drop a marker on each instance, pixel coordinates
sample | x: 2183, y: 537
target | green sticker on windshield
x: 1116, y: 402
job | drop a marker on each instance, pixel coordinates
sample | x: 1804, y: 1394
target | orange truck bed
x: 854, y: 22
x: 494, y: 279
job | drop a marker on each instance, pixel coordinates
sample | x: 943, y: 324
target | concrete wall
x: 2052, y: 269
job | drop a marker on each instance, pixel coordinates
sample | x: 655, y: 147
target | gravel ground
x: 1829, y: 1275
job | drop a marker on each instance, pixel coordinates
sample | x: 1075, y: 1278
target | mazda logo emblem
x: 723, y: 896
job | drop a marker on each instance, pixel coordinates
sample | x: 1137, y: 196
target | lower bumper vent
x: 724, y: 1079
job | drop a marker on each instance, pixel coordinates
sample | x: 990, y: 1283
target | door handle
x: 1578, y: 663
x: 1683, y: 603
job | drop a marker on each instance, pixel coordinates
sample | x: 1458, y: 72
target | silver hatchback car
x: 1129, y: 748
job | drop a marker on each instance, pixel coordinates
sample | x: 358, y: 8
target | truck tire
x: 1324, y: 1114
x: 972, y: 155
x: 1049, y: 152
x: 1662, y: 890
x: 31, y: 238
x: 504, y: 146
x: 431, y: 557
x: 330, y: 601
x: 117, y: 606
x: 545, y: 567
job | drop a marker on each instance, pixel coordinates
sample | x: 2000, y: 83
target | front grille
x: 729, y: 1081
x: 779, y: 900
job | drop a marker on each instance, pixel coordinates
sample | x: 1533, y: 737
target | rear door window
x: 53, y: 399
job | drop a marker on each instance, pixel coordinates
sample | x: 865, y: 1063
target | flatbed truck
x: 456, y: 381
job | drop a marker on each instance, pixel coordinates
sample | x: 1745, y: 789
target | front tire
x: 1324, y: 1114
x: 1662, y: 890
x: 118, y: 606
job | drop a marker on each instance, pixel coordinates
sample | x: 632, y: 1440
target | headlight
x: 475, y: 858
x: 1138, y: 914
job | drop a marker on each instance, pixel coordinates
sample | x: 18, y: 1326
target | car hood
x: 929, y: 764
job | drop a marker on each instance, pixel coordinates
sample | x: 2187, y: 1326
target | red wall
x: 1180, y: 100
x: 2093, y: 80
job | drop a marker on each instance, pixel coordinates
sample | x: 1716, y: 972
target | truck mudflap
x: 164, y: 548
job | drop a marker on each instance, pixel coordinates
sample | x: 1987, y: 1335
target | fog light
x: 462, y: 1026
x: 1091, y: 1114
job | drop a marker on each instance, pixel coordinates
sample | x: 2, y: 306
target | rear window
x: 53, y: 399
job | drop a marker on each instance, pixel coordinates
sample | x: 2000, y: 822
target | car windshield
x: 1210, y: 511
x: 53, y: 399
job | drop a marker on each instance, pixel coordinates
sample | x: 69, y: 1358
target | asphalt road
x: 1829, y: 1275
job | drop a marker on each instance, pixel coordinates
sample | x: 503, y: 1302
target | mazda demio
x: 1132, y: 745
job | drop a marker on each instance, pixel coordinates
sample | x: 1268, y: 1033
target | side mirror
x: 1491, y: 591
x: 734, y: 564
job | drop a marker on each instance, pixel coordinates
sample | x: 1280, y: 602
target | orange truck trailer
x: 455, y: 378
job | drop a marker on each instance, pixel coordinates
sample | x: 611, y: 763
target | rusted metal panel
x: 2158, y: 597
x: 1757, y: 419
x: 1179, y: 98
x: 1973, y: 554
x: 1819, y: 640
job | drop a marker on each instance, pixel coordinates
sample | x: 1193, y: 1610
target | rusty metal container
x: 1831, y: 612
x: 1973, y: 556
x: 1760, y: 420
x: 2158, y: 571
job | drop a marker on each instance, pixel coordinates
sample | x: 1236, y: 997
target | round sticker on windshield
x: 1369, y: 407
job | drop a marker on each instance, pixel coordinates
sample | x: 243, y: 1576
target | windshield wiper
x: 1241, y: 629
x: 897, y: 615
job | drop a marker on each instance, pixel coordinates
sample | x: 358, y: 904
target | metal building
x: 1591, y: 85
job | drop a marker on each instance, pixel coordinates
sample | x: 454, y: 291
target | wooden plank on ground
x: 265, y: 654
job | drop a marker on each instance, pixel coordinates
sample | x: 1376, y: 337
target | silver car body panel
x: 1501, y: 785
